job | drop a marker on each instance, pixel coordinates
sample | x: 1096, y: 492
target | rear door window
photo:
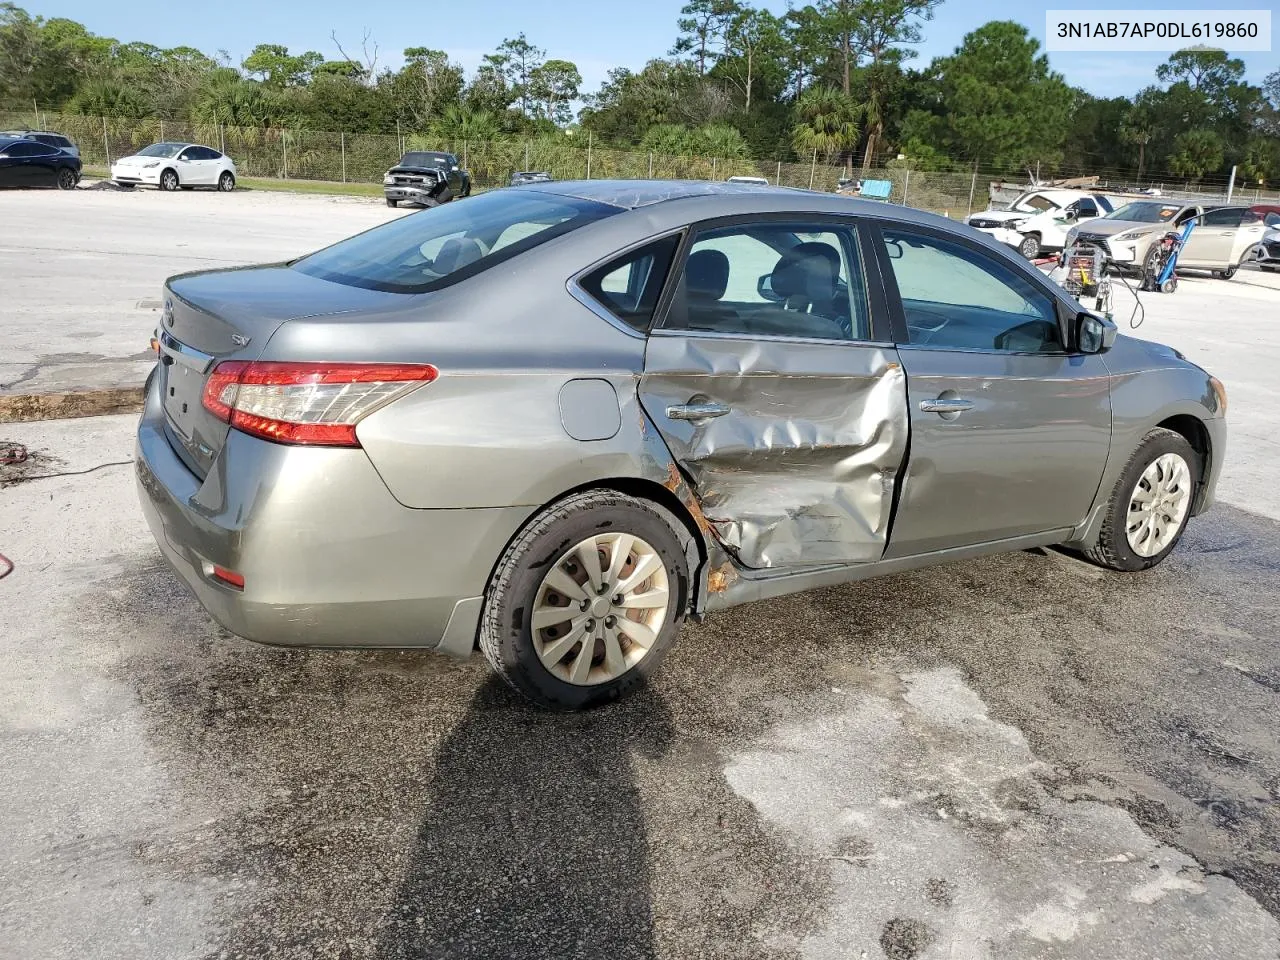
x: 442, y: 245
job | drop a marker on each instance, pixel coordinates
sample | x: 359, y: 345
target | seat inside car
x: 807, y: 278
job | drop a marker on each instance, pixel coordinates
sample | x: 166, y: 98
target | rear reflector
x: 307, y: 403
x: 229, y: 577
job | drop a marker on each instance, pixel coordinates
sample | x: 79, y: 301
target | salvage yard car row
x: 1126, y: 228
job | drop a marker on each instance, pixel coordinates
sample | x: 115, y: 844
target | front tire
x: 392, y: 203
x: 586, y: 600
x: 1030, y: 246
x: 1150, y: 504
x: 226, y: 182
x: 169, y: 181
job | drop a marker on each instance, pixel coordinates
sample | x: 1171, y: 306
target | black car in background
x: 30, y: 163
x: 426, y: 177
x: 47, y: 137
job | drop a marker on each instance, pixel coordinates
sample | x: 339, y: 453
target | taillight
x: 307, y: 403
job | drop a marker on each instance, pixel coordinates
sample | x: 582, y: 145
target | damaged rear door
x: 771, y: 381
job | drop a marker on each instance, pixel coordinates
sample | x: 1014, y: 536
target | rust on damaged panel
x: 802, y: 468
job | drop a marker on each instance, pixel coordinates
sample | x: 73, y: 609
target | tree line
x: 836, y: 80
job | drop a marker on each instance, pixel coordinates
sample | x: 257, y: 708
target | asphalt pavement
x: 1021, y: 756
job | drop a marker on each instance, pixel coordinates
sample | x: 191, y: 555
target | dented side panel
x: 801, y: 468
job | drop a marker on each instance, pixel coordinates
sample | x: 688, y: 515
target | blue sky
x: 595, y: 34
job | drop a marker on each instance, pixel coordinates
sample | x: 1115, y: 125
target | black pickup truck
x: 426, y: 177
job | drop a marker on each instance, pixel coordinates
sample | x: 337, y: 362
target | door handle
x: 696, y: 411
x: 945, y: 405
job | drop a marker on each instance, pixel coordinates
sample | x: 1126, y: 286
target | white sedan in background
x: 171, y: 166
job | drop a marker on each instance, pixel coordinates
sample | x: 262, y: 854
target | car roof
x: 685, y: 201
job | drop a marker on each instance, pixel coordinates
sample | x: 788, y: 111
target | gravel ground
x: 1015, y: 757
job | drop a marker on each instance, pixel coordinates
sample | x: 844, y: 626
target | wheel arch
x: 1192, y: 429
x: 698, y: 545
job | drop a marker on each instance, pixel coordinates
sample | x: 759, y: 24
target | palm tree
x: 459, y: 123
x: 827, y: 123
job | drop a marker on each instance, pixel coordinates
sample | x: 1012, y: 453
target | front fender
x: 1179, y: 396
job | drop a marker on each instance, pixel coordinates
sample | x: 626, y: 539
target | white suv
x: 1039, y: 219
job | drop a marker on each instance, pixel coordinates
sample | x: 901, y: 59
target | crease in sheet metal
x: 802, y: 469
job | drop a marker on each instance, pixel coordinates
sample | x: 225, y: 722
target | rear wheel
x: 586, y: 600
x: 1150, y: 504
x: 226, y: 182
x: 169, y: 180
x: 66, y: 179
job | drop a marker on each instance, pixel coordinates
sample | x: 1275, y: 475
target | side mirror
x: 1094, y: 334
x: 1071, y: 214
x: 764, y: 287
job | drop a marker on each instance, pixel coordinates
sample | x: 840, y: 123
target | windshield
x: 423, y: 159
x: 1144, y: 212
x: 442, y: 245
x: 161, y: 150
x: 1032, y: 203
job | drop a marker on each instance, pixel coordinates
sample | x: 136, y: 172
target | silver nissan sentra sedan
x: 550, y: 423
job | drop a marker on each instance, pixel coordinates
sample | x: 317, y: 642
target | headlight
x: 1221, y: 392
x: 1016, y: 224
x: 153, y: 163
x: 1128, y: 235
x: 388, y: 179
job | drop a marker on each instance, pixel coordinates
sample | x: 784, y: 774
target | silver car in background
x: 550, y: 423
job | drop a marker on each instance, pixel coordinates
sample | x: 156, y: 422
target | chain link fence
x: 365, y: 157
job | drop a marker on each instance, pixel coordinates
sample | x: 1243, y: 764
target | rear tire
x: 1139, y: 484
x: 67, y: 179
x: 579, y: 661
x: 169, y: 181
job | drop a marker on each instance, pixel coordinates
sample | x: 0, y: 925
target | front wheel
x: 226, y: 182
x: 169, y: 181
x: 391, y: 203
x: 1150, y: 504
x: 586, y: 600
x: 1030, y: 246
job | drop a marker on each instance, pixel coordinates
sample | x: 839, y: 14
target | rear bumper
x: 329, y: 557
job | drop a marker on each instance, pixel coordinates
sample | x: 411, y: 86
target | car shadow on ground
x: 402, y: 805
x: 532, y: 841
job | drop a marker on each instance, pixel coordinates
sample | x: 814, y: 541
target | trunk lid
x: 230, y: 315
